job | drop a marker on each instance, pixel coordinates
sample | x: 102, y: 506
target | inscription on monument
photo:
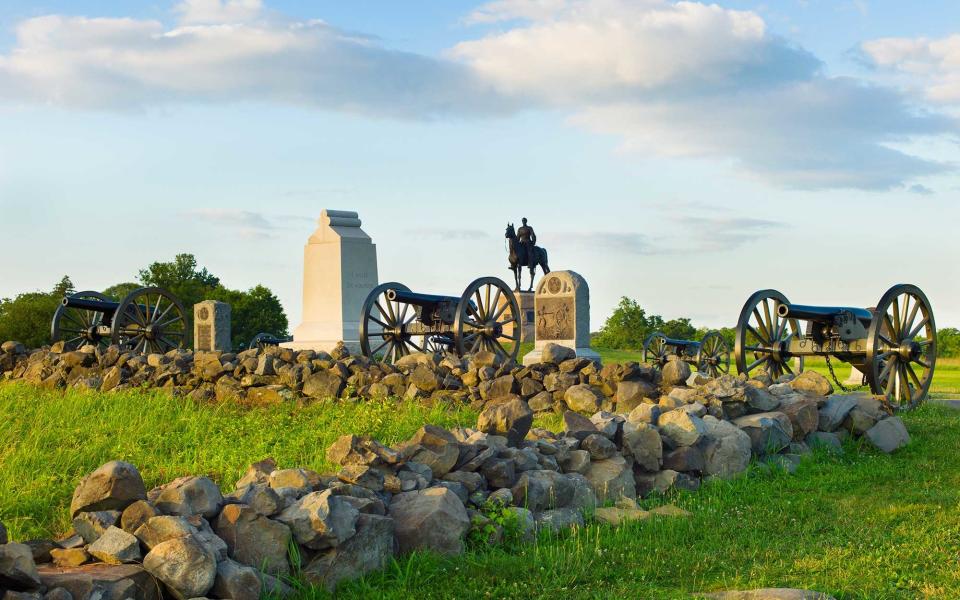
x: 555, y: 319
x: 204, y: 341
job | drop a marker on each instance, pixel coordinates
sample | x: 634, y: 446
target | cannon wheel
x: 383, y: 322
x: 150, y: 320
x: 483, y: 321
x: 902, y: 341
x: 656, y: 351
x: 76, y: 327
x: 714, y: 355
x: 761, y: 333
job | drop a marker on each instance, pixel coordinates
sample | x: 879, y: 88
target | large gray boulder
x: 113, y: 486
x: 253, y: 539
x: 187, y: 496
x: 430, y: 519
x: 115, y: 547
x: 583, y: 398
x: 802, y: 411
x: 236, y: 581
x: 769, y: 432
x: 680, y: 428
x: 541, y: 490
x: 611, y: 479
x: 555, y: 354
x: 91, y: 525
x: 184, y: 567
x: 675, y: 372
x: 559, y: 519
x: 834, y: 411
x: 726, y: 448
x: 99, y: 580
x: 321, y: 520
x: 813, y: 383
x: 511, y: 419
x: 367, y: 551
x: 889, y: 435
x: 17, y: 569
x: 642, y: 442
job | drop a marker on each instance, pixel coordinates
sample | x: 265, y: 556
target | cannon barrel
x: 416, y: 299
x: 681, y: 343
x: 821, y: 314
x: 101, y: 306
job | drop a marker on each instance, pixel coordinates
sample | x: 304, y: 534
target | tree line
x: 630, y: 325
x: 26, y: 318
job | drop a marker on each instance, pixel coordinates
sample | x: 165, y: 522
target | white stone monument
x: 562, y: 312
x: 339, y: 270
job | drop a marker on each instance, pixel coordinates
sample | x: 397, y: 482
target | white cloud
x: 245, y: 223
x: 218, y: 11
x: 935, y: 63
x: 508, y: 10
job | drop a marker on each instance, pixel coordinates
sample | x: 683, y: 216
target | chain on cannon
x: 147, y: 320
x: 396, y: 321
x: 894, y: 344
x: 710, y: 355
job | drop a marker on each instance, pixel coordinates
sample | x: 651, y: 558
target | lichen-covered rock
x: 431, y: 519
x: 834, y: 411
x: 512, y: 419
x: 115, y: 547
x: 367, y: 551
x: 675, y: 372
x: 812, y: 382
x: 611, y: 479
x: 889, y: 435
x: 583, y: 398
x: 320, y: 520
x: 91, y: 525
x: 186, y: 496
x: 541, y: 490
x: 184, y: 567
x: 680, y: 428
x: 554, y: 354
x: 769, y: 432
x: 643, y: 442
x: 236, y: 581
x: 136, y: 515
x: 113, y: 486
x: 802, y: 412
x: 17, y: 569
x: 253, y: 539
x: 726, y: 448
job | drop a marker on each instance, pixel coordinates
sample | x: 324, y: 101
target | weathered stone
x: 500, y: 387
x: 726, y: 448
x: 17, y: 569
x: 161, y: 528
x: 598, y: 446
x: 685, y: 459
x: 432, y: 519
x: 369, y: 550
x: 825, y: 440
x: 69, y: 557
x: 675, y: 372
x: 298, y: 479
x: 511, y: 419
x: 555, y: 354
x: 184, y: 567
x: 102, y: 582
x: 41, y: 550
x: 812, y: 382
x: 320, y: 520
x: 91, y: 525
x: 802, y: 412
x: 186, y: 496
x: 761, y: 400
x: 362, y: 475
x: 499, y: 472
x: 584, y: 498
x: 631, y: 394
x: 864, y: 415
x: 611, y: 479
x: 471, y: 480
x: 575, y: 461
x: 583, y: 399
x: 236, y: 581
x: 559, y: 519
x: 541, y: 490
x: 680, y: 428
x: 113, y: 486
x: 669, y: 510
x: 577, y: 426
x: 542, y: 402
x: 612, y: 515
x: 889, y: 435
x: 645, y: 413
x: 253, y: 539
x: 136, y: 515
x: 769, y: 432
x: 353, y: 450
x: 834, y: 411
x: 642, y: 442
x: 115, y: 547
x: 324, y: 385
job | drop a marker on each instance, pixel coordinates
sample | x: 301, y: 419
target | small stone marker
x: 562, y: 313
x: 211, y: 326
x: 527, y: 316
x: 339, y: 271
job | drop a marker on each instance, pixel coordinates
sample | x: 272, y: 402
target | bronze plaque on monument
x: 555, y: 319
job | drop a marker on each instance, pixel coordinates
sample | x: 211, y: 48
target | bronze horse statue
x: 519, y: 258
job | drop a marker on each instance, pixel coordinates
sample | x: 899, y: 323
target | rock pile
x: 627, y: 434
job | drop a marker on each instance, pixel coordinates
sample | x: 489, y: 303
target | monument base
x: 535, y: 356
x: 323, y: 345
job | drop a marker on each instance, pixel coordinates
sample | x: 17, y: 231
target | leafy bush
x: 27, y: 317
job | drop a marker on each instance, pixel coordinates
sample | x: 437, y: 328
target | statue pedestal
x: 339, y: 270
x: 527, y: 316
x: 855, y: 378
x: 562, y: 313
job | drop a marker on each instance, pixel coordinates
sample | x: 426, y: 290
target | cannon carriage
x: 396, y: 321
x: 710, y: 355
x: 264, y: 340
x: 147, y: 320
x: 893, y: 344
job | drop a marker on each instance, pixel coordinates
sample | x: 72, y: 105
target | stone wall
x: 629, y: 432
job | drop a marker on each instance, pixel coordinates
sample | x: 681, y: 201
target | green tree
x: 627, y: 327
x: 948, y: 342
x: 182, y: 278
x: 254, y: 311
x: 119, y: 291
x: 27, y: 317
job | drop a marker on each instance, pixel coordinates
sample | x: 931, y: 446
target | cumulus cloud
x: 687, y: 79
x: 934, y: 62
x: 230, y: 51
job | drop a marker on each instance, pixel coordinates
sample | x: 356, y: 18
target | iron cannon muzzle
x: 416, y: 299
x: 100, y: 306
x: 821, y: 314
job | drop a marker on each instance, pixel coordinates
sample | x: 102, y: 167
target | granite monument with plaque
x: 339, y: 271
x: 562, y: 315
x: 527, y: 317
x: 211, y: 326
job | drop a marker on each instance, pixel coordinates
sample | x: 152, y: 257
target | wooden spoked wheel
x: 656, y: 351
x: 77, y: 327
x: 902, y: 347
x: 384, y: 323
x: 488, y: 318
x: 763, y: 337
x: 713, y: 359
x: 150, y: 320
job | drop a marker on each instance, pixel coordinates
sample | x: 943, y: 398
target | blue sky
x: 684, y: 155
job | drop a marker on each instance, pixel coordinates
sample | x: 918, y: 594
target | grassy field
x: 861, y: 526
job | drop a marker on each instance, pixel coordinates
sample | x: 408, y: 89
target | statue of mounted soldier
x: 524, y: 252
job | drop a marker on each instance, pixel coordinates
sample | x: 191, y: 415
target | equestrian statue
x: 524, y: 252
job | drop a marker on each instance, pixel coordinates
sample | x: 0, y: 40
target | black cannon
x: 396, y: 321
x: 894, y: 344
x: 262, y: 340
x: 710, y: 355
x: 147, y: 320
